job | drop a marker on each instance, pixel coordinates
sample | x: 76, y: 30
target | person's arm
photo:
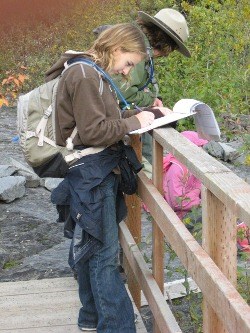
x: 96, y: 116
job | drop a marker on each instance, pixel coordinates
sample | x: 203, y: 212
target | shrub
x: 217, y: 72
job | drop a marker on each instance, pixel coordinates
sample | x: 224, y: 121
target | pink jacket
x: 181, y: 188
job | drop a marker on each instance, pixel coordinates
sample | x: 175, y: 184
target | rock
x: 32, y: 180
x: 12, y: 188
x: 51, y: 183
x: 214, y: 149
x: 229, y: 154
x: 7, y: 170
x: 221, y: 151
x: 20, y: 166
x: 3, y: 256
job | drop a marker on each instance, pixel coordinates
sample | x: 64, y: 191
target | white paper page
x: 185, y: 106
x: 206, y: 124
x: 169, y: 118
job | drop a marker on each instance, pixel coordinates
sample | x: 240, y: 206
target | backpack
x: 36, y: 128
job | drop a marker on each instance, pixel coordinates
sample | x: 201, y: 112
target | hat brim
x: 181, y: 47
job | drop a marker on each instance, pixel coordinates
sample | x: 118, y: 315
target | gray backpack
x: 36, y: 130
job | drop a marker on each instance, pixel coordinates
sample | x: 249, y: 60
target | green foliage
x: 217, y: 71
x: 10, y: 264
x: 246, y: 148
x: 243, y: 277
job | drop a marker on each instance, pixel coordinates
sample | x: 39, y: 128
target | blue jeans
x: 105, y: 301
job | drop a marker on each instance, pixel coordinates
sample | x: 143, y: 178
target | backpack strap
x: 40, y: 129
x: 100, y: 70
x: 69, y: 141
x: 75, y: 61
x: 151, y: 78
x: 80, y: 153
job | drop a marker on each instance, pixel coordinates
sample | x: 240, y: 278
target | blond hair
x: 125, y: 36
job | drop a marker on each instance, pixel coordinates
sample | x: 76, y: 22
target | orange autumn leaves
x: 11, y: 86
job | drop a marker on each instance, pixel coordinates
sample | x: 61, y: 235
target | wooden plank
x: 233, y: 192
x: 46, y: 329
x: 219, y: 230
x: 175, y: 289
x: 220, y: 293
x: 198, y: 161
x: 157, y: 235
x: 219, y: 241
x: 39, y: 306
x: 220, y: 180
x: 38, y: 286
x: 48, y: 309
x: 133, y: 222
x: 160, y: 309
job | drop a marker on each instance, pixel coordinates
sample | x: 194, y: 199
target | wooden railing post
x: 157, y: 235
x: 133, y: 222
x: 219, y: 241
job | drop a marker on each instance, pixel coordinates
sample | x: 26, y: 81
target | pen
x: 137, y: 107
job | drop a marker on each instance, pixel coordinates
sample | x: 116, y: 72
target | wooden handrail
x: 225, y: 198
x: 221, y: 181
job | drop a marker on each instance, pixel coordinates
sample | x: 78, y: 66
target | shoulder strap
x: 151, y: 74
x: 151, y: 79
x: 100, y: 70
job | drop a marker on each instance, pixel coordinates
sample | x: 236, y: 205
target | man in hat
x: 165, y: 32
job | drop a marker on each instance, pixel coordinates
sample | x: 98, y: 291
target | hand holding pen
x: 145, y: 117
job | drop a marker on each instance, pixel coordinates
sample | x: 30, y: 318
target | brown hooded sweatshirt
x: 96, y: 114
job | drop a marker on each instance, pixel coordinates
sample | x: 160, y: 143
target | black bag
x: 129, y: 166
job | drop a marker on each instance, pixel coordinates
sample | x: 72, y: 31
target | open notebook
x: 205, y: 122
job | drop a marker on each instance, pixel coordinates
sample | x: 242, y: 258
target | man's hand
x: 157, y: 102
x: 166, y: 111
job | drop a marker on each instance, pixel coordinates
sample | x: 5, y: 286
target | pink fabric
x: 181, y: 188
x: 244, y: 240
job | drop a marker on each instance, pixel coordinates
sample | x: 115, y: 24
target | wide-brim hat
x: 173, y: 24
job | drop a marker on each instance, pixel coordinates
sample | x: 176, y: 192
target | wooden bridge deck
x: 42, y: 306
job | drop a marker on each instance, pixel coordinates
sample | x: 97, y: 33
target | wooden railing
x: 213, y: 266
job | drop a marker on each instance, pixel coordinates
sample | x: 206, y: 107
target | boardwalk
x: 42, y: 306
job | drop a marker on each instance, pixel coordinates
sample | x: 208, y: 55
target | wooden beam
x: 43, y: 306
x: 230, y: 307
x: 159, y: 307
x: 219, y: 241
x: 157, y: 235
x: 221, y: 181
x: 133, y: 221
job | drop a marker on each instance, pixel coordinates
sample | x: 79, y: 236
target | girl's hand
x: 145, y: 118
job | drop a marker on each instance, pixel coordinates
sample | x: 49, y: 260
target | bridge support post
x: 157, y: 235
x: 219, y: 241
x: 133, y: 222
